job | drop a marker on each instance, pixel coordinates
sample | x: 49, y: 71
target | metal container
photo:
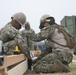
x: 70, y: 23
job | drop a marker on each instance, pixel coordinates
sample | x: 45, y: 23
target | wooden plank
x: 36, y: 53
x: 12, y: 59
x: 19, y: 69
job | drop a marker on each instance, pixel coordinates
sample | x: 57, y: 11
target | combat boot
x: 59, y: 67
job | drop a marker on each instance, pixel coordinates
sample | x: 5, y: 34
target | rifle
x: 29, y: 60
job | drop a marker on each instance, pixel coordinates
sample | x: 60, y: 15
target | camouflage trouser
x: 9, y: 47
x: 44, y: 65
x: 44, y: 53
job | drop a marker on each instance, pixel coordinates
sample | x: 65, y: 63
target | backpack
x: 70, y: 39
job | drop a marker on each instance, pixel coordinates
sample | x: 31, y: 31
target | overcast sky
x: 34, y: 9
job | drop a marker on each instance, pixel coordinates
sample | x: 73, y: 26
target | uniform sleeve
x: 12, y: 32
x: 22, y: 44
x: 19, y: 40
x: 43, y: 34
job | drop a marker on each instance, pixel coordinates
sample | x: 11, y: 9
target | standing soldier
x: 26, y: 34
x: 11, y: 37
x: 57, y: 57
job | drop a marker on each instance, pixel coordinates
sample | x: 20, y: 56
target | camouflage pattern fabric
x: 43, y: 34
x: 26, y: 34
x: 45, y: 61
x: 44, y: 53
x: 44, y: 65
x: 9, y: 47
x: 11, y: 37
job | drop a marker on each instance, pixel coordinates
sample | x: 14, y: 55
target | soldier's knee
x: 42, y: 68
x: 36, y: 68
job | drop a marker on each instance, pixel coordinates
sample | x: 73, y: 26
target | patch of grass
x: 73, y: 65
x: 74, y: 57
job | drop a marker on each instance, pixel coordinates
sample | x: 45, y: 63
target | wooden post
x: 12, y: 60
x: 3, y: 71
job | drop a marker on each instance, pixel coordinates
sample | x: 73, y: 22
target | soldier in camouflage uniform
x: 26, y: 34
x: 57, y: 58
x: 11, y: 37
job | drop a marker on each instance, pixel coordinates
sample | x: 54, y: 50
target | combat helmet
x: 20, y: 18
x: 46, y: 19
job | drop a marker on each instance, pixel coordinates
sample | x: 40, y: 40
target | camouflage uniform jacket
x: 44, y: 62
x: 9, y: 33
x: 51, y: 33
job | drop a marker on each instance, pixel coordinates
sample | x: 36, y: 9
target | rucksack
x: 70, y: 39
